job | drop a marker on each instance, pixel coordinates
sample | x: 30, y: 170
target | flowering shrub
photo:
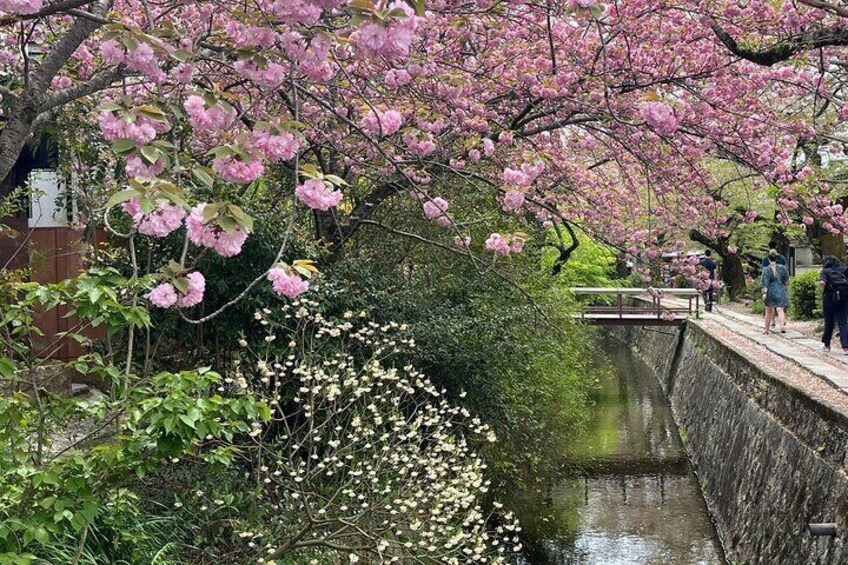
x: 364, y: 459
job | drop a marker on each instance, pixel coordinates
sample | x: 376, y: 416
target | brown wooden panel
x: 13, y: 252
x: 54, y: 255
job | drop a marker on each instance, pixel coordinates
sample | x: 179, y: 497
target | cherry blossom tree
x: 600, y: 117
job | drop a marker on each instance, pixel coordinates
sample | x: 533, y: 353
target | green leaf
x: 163, y: 144
x: 181, y: 55
x: 181, y: 285
x: 205, y: 178
x: 177, y: 199
x: 152, y: 112
x: 7, y: 368
x: 147, y: 205
x: 109, y: 107
x: 122, y: 196
x: 338, y: 181
x: 150, y: 154
x: 309, y: 170
x: 219, y: 152
x: 123, y: 146
x: 228, y: 223
x: 361, y: 5
x: 419, y: 6
x: 244, y: 221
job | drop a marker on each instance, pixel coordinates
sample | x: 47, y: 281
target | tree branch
x: 49, y: 10
x: 29, y: 105
x: 787, y: 48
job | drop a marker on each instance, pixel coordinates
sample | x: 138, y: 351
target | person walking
x: 710, y: 265
x: 781, y: 260
x: 774, y: 281
x: 833, y: 280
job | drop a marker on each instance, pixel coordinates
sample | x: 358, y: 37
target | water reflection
x: 629, y: 496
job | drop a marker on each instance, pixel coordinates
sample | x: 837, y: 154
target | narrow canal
x: 628, y: 495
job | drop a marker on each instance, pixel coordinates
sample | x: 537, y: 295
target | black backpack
x: 837, y: 285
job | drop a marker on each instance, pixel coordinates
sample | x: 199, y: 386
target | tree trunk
x: 733, y: 275
x: 30, y: 103
x: 782, y: 242
x: 832, y: 245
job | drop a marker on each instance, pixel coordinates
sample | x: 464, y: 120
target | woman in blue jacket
x: 774, y: 281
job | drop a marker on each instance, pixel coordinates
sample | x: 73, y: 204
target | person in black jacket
x: 710, y: 265
x: 834, y: 284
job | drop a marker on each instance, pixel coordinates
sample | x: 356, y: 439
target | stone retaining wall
x: 769, y: 458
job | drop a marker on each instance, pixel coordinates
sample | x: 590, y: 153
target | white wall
x: 48, y: 200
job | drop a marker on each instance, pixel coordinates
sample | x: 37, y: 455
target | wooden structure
x: 641, y: 306
x: 41, y: 238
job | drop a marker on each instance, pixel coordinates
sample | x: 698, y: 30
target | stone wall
x: 769, y: 458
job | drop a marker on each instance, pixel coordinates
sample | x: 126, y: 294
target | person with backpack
x: 834, y: 284
x: 776, y: 298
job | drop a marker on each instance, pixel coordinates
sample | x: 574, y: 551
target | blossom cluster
x: 141, y: 130
x: 382, y: 123
x: 366, y: 444
x: 165, y: 218
x: 660, y: 116
x: 390, y: 40
x: 286, y: 282
x: 166, y: 295
x: 21, y: 6
x: 505, y: 244
x: 318, y: 195
x: 226, y: 244
x: 436, y: 209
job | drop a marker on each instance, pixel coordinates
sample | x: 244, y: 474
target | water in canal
x: 634, y: 499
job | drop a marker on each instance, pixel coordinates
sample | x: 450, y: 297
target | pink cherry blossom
x: 226, y: 244
x: 163, y: 296
x: 201, y: 118
x: 513, y: 200
x: 498, y: 244
x: 287, y: 283
x: 276, y: 148
x: 196, y: 287
x: 20, y: 6
x: 141, y: 131
x: 436, y: 208
x: 229, y: 244
x: 462, y: 242
x: 420, y: 145
x: 233, y: 169
x: 138, y: 167
x: 660, y: 116
x: 316, y: 194
x: 382, y: 123
x: 199, y: 233
x: 164, y: 219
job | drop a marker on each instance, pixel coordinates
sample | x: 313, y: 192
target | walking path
x: 793, y: 346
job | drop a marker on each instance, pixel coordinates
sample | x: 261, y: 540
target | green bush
x: 804, y: 299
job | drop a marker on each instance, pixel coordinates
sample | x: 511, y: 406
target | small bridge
x: 641, y: 306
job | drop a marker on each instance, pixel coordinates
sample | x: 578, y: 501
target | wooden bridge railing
x: 648, y: 307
